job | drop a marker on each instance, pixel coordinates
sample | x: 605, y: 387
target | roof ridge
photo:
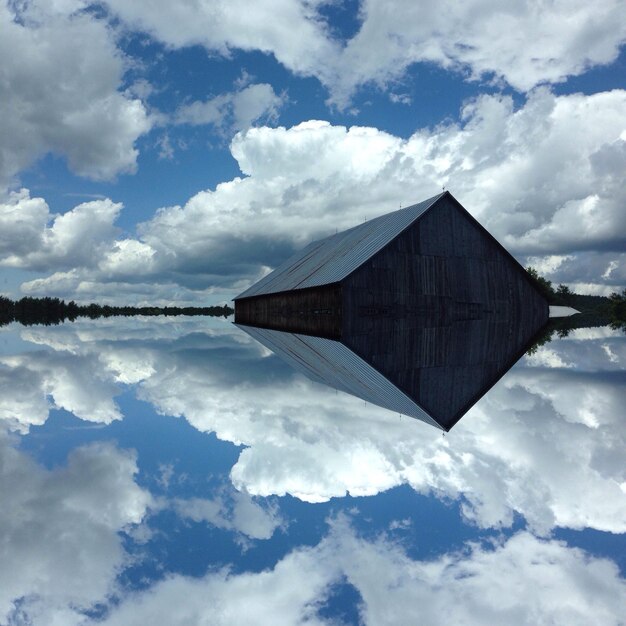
x: 333, y: 258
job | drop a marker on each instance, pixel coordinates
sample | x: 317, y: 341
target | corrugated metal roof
x: 332, y: 259
x: 332, y: 363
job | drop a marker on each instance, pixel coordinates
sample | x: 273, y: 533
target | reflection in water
x: 118, y: 513
x: 435, y: 374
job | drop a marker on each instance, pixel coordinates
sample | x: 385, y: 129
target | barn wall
x: 313, y: 311
x: 443, y: 268
x: 442, y: 311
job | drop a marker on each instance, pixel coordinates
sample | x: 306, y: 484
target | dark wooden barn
x: 429, y: 271
x: 430, y: 260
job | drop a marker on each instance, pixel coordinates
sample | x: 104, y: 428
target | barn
x: 425, y: 295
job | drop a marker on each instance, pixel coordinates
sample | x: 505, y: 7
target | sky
x: 154, y: 152
x: 174, y: 470
x: 179, y: 473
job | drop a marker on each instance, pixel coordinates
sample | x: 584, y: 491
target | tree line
x: 47, y: 311
x: 594, y: 310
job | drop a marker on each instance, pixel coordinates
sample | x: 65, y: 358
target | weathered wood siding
x: 443, y: 268
x: 442, y: 311
x: 313, y: 311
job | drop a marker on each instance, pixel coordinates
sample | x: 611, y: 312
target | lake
x: 162, y: 470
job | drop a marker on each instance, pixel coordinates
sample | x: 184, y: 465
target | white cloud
x: 128, y: 258
x: 59, y: 84
x: 61, y: 550
x: 514, y: 169
x: 23, y: 401
x: 22, y: 225
x: 290, y: 30
x: 78, y: 285
x: 81, y: 367
x: 233, y: 510
x: 551, y: 582
x: 287, y: 595
x: 479, y: 39
x: 586, y: 271
x: 85, y: 336
x: 234, y: 111
x: 32, y: 238
x: 57, y: 380
x: 520, y: 581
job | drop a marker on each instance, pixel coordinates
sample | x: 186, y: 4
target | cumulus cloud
x: 39, y: 381
x: 513, y: 168
x: 61, y: 551
x: 233, y: 510
x: 59, y: 92
x: 32, y: 238
x: 517, y: 581
x: 23, y: 401
x: 477, y: 38
x: 291, y: 30
x: 286, y: 595
x: 550, y: 580
x: 234, y: 111
x: 587, y: 271
x: 83, y: 367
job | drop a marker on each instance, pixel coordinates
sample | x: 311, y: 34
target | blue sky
x: 156, y: 152
x: 174, y: 152
x: 180, y: 473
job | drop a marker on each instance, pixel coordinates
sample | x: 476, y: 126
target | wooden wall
x: 313, y: 311
x: 442, y: 311
x: 444, y: 268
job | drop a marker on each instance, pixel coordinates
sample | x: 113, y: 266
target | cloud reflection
x: 544, y: 443
x: 60, y: 550
x: 560, y: 584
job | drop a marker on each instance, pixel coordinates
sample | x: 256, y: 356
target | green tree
x: 617, y: 310
x: 543, y: 284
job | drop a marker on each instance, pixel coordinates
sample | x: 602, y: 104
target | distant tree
x: 617, y: 310
x: 543, y: 284
x: 544, y: 338
x: 29, y: 310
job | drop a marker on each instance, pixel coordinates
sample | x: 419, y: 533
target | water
x: 179, y: 472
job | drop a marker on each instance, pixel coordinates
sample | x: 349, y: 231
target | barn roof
x: 331, y: 259
x: 332, y: 363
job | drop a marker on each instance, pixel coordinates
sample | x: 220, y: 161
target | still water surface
x: 178, y: 472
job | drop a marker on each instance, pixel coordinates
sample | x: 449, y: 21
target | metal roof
x: 330, y: 260
x: 334, y: 364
